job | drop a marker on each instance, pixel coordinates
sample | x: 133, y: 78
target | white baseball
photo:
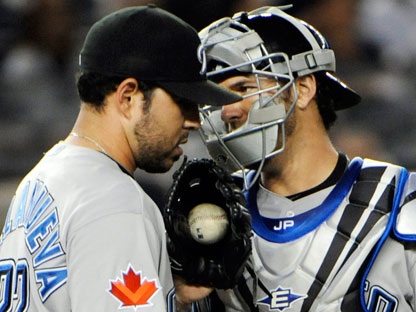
x: 208, y: 223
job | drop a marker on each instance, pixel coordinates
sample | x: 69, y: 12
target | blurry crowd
x: 40, y: 39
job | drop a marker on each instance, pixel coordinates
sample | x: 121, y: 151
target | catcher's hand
x: 220, y: 264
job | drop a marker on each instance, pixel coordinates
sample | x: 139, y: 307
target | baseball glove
x: 221, y: 263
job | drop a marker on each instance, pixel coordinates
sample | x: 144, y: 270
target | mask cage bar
x: 277, y: 71
x: 216, y: 28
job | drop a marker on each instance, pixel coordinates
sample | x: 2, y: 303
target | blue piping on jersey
x: 305, y: 222
x: 401, y: 236
x: 390, y: 223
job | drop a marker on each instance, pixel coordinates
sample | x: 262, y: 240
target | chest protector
x: 345, y: 233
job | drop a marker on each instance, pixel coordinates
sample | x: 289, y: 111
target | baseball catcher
x: 218, y: 264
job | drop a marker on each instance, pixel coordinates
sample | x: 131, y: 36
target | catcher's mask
x: 265, y: 43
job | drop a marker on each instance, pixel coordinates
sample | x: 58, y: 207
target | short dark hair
x: 93, y: 87
x: 325, y: 100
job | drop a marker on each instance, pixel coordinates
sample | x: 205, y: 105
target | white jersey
x: 333, y: 250
x: 82, y: 235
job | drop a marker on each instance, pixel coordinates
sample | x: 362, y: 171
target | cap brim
x: 343, y: 95
x: 201, y: 92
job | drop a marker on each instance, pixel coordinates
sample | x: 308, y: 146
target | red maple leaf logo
x: 133, y: 291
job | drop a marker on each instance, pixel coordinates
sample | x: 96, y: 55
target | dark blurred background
x: 373, y: 40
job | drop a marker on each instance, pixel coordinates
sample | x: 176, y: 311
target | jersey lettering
x: 22, y: 286
x: 281, y: 299
x: 379, y: 300
x: 14, y: 286
x: 284, y: 224
x: 50, y: 280
x: 41, y: 226
x: 51, y: 248
x: 30, y: 207
x: 6, y: 280
x: 19, y: 216
x: 39, y: 201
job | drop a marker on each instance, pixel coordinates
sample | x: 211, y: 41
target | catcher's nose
x: 234, y: 115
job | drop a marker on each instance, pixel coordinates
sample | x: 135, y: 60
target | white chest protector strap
x: 390, y: 227
x: 371, y: 193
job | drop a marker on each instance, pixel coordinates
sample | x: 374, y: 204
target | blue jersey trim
x: 402, y: 236
x: 387, y: 231
x: 283, y: 230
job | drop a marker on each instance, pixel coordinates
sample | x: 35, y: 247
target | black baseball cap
x: 151, y: 44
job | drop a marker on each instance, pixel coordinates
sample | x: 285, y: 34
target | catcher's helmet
x: 265, y: 42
